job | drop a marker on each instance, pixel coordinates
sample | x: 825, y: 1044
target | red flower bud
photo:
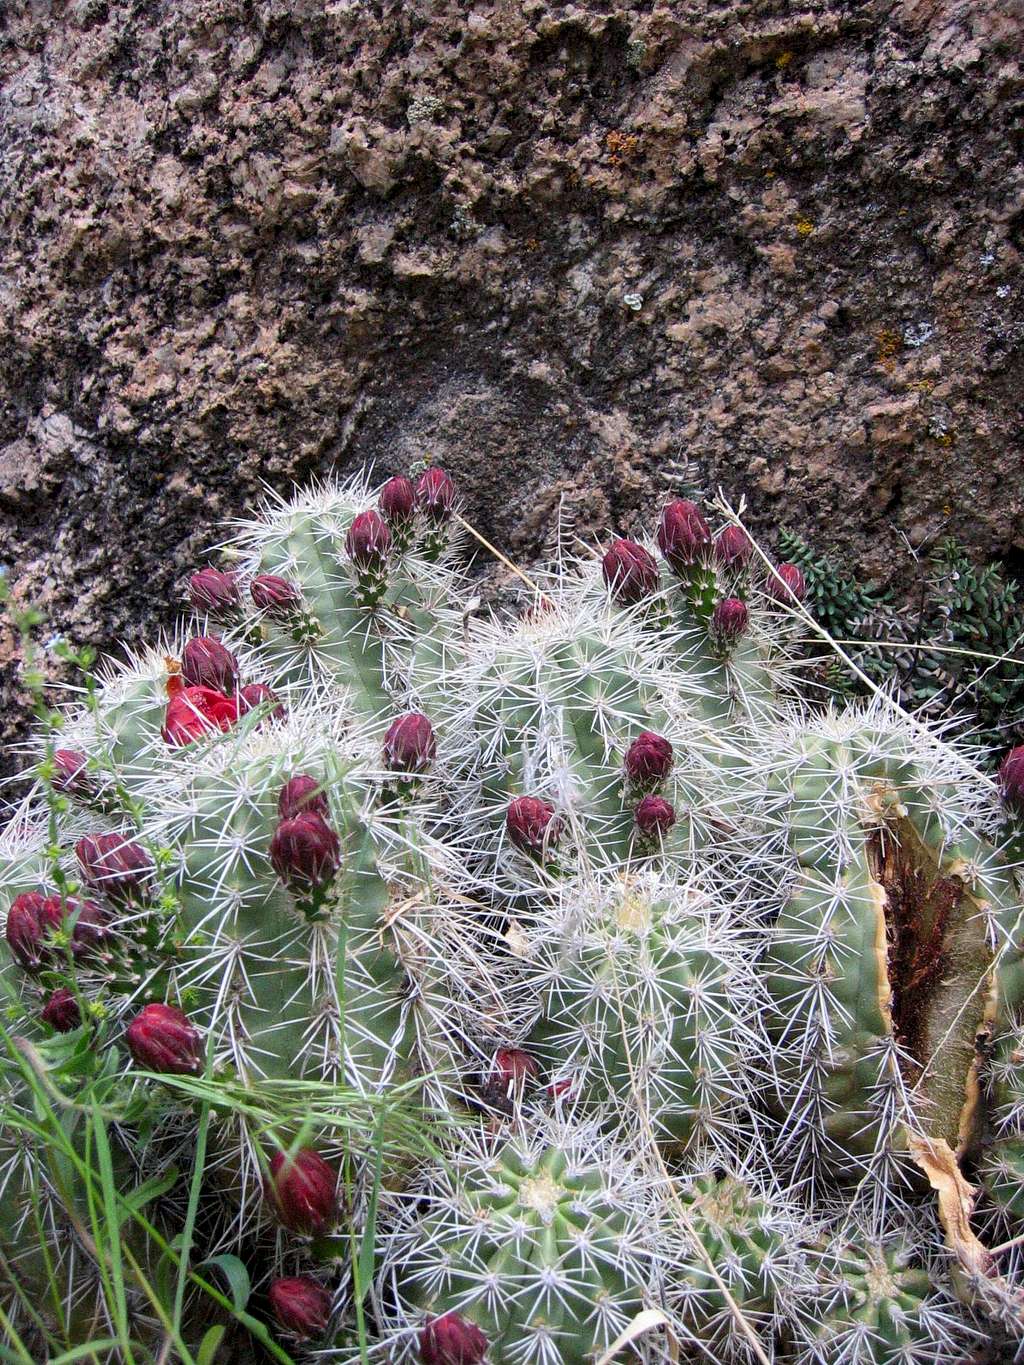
x: 255, y: 694
x: 629, y: 571
x: 162, y: 1038
x: 513, y: 1066
x: 683, y: 535
x: 197, y: 711
x: 276, y: 596
x: 648, y: 759
x: 531, y: 824
x: 61, y: 1011
x: 1011, y: 778
x: 302, y: 795
x: 654, y: 817
x: 113, y: 864
x: 435, y: 494
x: 70, y: 774
x: 452, y: 1340
x: 733, y: 548
x: 205, y: 662
x: 409, y: 745
x: 728, y: 621
x: 368, y: 541
x: 397, y: 500
x: 91, y: 927
x: 31, y: 921
x: 303, y: 1190
x: 301, y: 1305
x: 786, y: 585
x: 215, y: 592
x: 305, y: 851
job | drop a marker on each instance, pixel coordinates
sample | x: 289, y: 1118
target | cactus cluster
x: 548, y: 988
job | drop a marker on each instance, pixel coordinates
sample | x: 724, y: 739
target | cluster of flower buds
x: 113, y: 864
x: 409, y: 746
x: 303, y: 1190
x: 1011, y: 779
x: 304, y: 850
x: 207, y: 696
x: 34, y: 919
x: 162, y: 1038
x: 532, y: 825
x: 728, y: 624
x: 630, y: 572
x: 301, y: 1305
x: 215, y: 593
x: 452, y: 1340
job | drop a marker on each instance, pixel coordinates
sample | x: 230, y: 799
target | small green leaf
x: 237, y: 1277
x: 207, y: 1352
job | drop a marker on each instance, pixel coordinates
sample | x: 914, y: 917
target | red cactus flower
x: 683, y: 535
x: 195, y: 712
x: 733, y: 548
x: 115, y: 865
x: 531, y: 824
x: 435, y: 494
x: 302, y: 795
x: 452, y: 1340
x: 648, y: 759
x: 278, y: 597
x: 301, y: 1305
x: 255, y: 694
x: 215, y: 592
x: 70, y: 773
x: 31, y: 921
x: 162, y: 1038
x: 303, y: 1190
x: 205, y: 662
x: 728, y: 621
x: 786, y: 585
x: 368, y: 542
x: 1011, y: 778
x: 305, y: 851
x: 409, y: 745
x: 654, y: 817
x: 629, y: 571
x: 61, y: 1011
x: 397, y: 500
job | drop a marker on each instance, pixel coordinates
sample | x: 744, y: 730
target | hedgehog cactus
x: 672, y: 969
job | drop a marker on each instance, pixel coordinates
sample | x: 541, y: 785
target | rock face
x: 580, y: 254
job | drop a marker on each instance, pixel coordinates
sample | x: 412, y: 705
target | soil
x: 581, y: 255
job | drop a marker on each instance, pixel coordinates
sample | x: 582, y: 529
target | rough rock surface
x: 578, y: 253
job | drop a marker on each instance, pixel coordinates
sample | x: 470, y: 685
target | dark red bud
x: 91, y: 927
x: 113, y: 864
x: 1011, y: 778
x: 452, y: 1340
x: 368, y: 541
x: 303, y: 1190
x: 629, y: 571
x: 728, y: 621
x: 435, y: 494
x: 397, y: 500
x: 301, y: 1305
x: 256, y: 694
x: 531, y: 824
x: 305, y: 851
x: 302, y: 795
x: 733, y: 548
x: 215, y: 592
x: 162, y: 1038
x: 276, y: 596
x: 648, y: 759
x: 205, y: 662
x: 61, y: 1011
x: 683, y: 535
x: 513, y: 1066
x: 409, y: 745
x: 31, y: 921
x: 197, y: 711
x: 70, y: 773
x: 654, y: 817
x: 786, y: 585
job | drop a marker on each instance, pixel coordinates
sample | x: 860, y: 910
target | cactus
x: 497, y: 988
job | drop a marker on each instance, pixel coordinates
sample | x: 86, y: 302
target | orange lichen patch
x: 946, y: 439
x: 889, y: 343
x: 621, y: 146
x: 804, y: 226
x: 783, y: 60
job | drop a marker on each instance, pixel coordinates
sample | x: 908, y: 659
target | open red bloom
x: 196, y: 711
